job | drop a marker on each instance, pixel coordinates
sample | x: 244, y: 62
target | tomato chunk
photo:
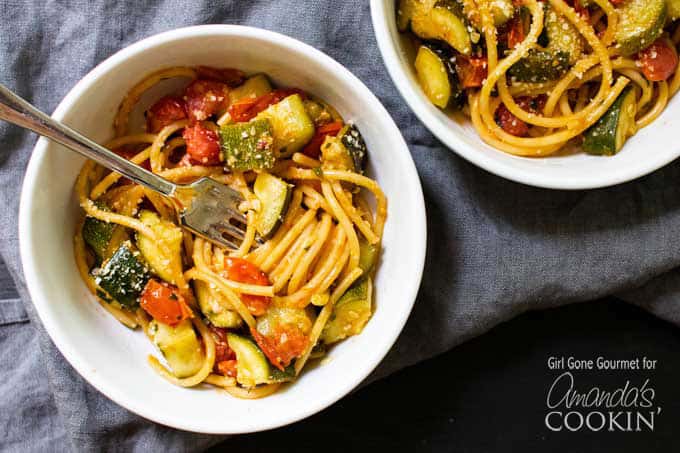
x: 658, y: 61
x: 167, y: 110
x: 240, y: 270
x: 205, y: 98
x: 472, y: 71
x: 516, y: 32
x: 247, y: 109
x: 164, y: 303
x: 285, y: 344
x: 510, y: 123
x: 203, y: 144
x: 313, y: 148
x: 230, y: 76
x: 225, y: 357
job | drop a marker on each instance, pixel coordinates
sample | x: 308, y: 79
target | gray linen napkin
x: 495, y: 248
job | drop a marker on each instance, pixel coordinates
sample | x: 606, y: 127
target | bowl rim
x: 426, y: 113
x: 40, y: 298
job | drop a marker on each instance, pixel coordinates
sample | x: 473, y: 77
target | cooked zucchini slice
x: 432, y: 77
x: 274, y: 195
x: 252, y: 367
x: 179, y: 345
x: 563, y: 46
x: 640, y: 23
x: 252, y: 88
x: 291, y: 126
x: 437, y: 75
x: 673, y: 9
x: 607, y: 136
x: 368, y: 255
x: 405, y: 11
x: 562, y: 35
x: 540, y: 66
x: 164, y: 254
x: 318, y: 112
x: 97, y: 234
x: 502, y: 10
x: 124, y: 275
x: 248, y: 146
x: 217, y: 314
x: 287, y: 375
x: 277, y: 317
x: 350, y: 314
x: 442, y: 20
x: 353, y: 141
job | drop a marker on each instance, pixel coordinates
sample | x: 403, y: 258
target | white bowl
x: 650, y: 149
x: 113, y: 358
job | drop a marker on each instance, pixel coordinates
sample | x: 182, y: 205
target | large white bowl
x: 113, y: 358
x: 650, y: 149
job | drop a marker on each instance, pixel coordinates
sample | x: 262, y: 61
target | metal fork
x: 204, y: 207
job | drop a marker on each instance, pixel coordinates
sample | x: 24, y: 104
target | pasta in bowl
x: 249, y: 319
x: 567, y: 81
x: 114, y: 359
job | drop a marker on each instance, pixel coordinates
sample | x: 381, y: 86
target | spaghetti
x: 537, y: 76
x: 246, y: 320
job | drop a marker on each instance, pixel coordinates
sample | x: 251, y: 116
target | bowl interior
x: 650, y: 149
x: 112, y: 357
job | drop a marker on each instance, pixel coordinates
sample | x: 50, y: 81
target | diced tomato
x: 510, y: 123
x: 516, y: 33
x: 203, y: 144
x: 226, y: 367
x: 658, y: 61
x: 204, y: 98
x: 247, y: 109
x: 532, y: 104
x: 617, y: 2
x: 240, y: 270
x: 313, y: 148
x: 225, y: 357
x: 167, y: 110
x: 164, y: 303
x: 230, y: 76
x: 286, y: 343
x: 472, y: 71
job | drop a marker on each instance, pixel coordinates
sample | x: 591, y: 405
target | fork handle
x: 16, y: 110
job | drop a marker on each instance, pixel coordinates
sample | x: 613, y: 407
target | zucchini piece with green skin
x: 354, y: 143
x: 607, y: 136
x: 319, y: 113
x: 563, y: 47
x: 368, y: 256
x: 346, y: 151
x: 124, y: 276
x: 433, y: 77
x: 291, y: 126
x: 443, y: 20
x: 447, y: 56
x: 252, y: 88
x: 248, y: 146
x: 405, y: 11
x: 673, y: 9
x: 179, y: 346
x: 252, y: 367
x: 350, y: 314
x: 274, y: 195
x: 640, y: 23
x: 217, y: 314
x: 164, y: 254
x: 97, y: 234
x: 540, y: 66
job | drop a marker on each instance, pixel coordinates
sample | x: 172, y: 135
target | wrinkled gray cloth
x: 495, y: 248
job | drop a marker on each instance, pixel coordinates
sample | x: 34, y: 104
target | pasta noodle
x: 547, y: 74
x: 209, y: 309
